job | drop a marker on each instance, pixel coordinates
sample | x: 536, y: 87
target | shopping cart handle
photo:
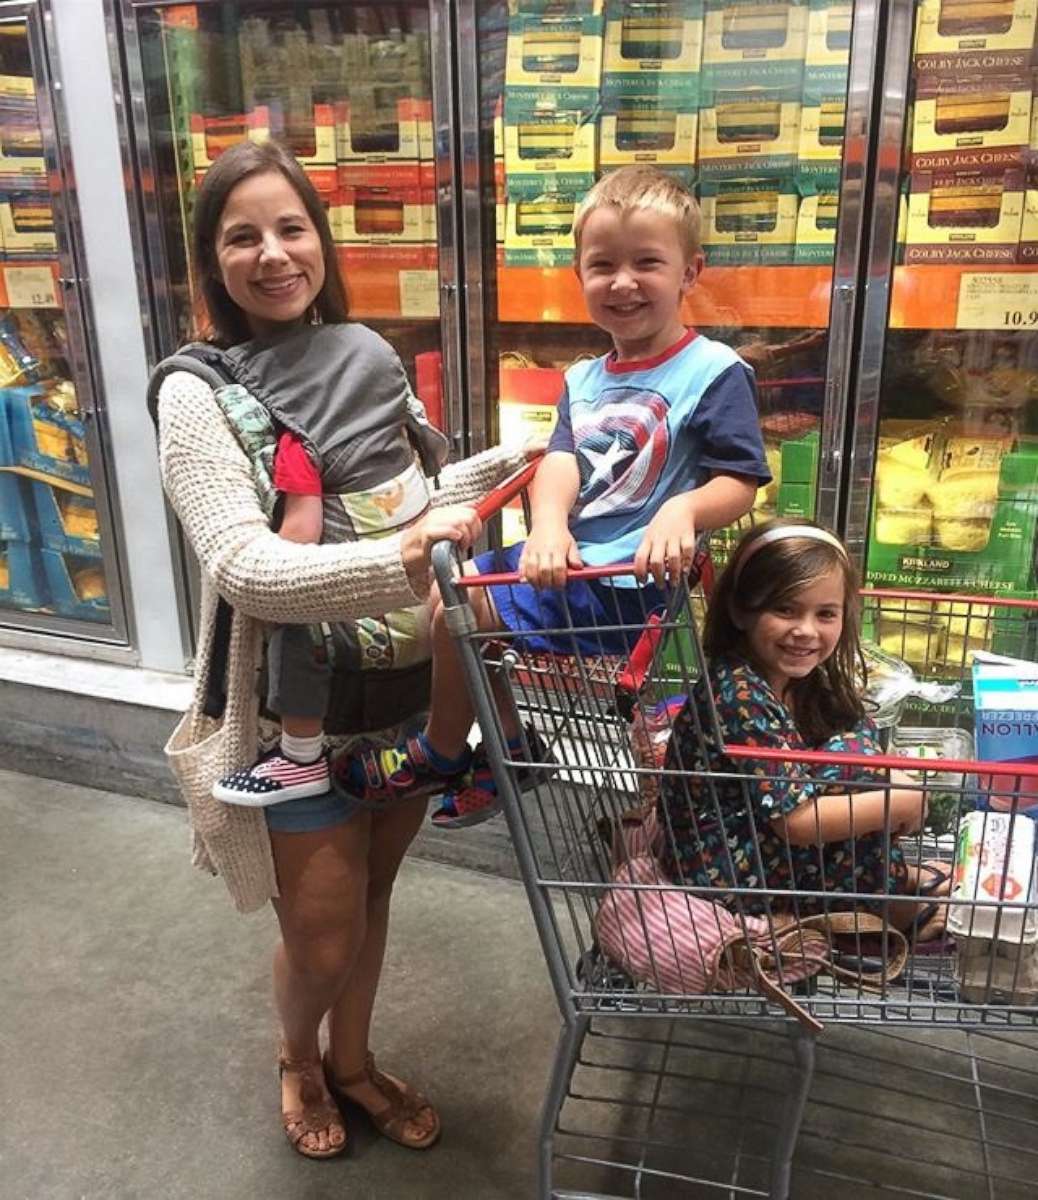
x: 631, y: 679
x: 508, y: 489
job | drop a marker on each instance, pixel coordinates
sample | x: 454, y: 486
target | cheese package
x: 816, y: 227
x: 750, y: 131
x: 995, y: 28
x: 652, y: 37
x: 824, y: 111
x: 754, y: 39
x: 549, y: 142
x: 392, y: 280
x: 27, y: 225
x: 971, y: 122
x: 899, y: 486
x: 382, y: 123
x: 994, y: 866
x: 964, y: 216
x: 650, y: 120
x: 539, y: 232
x: 917, y: 642
x: 749, y: 220
x: 554, y: 48
x: 1027, y: 252
x: 379, y: 211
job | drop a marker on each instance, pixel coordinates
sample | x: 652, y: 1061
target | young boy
x: 653, y: 442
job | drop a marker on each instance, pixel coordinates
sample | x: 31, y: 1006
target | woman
x: 265, y: 261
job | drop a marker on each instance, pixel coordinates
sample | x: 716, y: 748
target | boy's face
x: 634, y: 273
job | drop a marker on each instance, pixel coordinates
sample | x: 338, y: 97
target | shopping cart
x: 683, y: 980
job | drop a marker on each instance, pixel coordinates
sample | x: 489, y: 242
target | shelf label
x: 30, y: 287
x: 419, y: 293
x: 998, y: 300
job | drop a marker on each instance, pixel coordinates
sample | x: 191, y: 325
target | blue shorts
x: 311, y: 813
x: 576, y: 618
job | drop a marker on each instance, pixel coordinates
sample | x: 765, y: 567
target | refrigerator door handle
x: 844, y: 293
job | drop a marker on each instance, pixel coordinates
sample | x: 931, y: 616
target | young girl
x: 782, y: 642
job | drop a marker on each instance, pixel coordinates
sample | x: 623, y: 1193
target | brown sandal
x: 317, y: 1112
x: 405, y: 1103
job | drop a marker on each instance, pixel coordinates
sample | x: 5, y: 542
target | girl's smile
x: 797, y: 634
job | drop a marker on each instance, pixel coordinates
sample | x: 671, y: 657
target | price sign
x: 998, y: 300
x: 419, y: 293
x: 30, y: 287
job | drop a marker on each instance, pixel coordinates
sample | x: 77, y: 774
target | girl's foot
x: 403, y: 772
x: 312, y: 1123
x: 272, y: 778
x: 397, y: 1111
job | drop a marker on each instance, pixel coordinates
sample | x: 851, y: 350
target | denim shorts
x: 311, y: 813
x: 570, y: 619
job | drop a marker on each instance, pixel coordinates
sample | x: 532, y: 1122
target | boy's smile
x: 634, y: 273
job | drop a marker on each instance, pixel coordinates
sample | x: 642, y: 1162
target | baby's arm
x: 303, y: 519
x: 901, y: 808
x: 550, y: 549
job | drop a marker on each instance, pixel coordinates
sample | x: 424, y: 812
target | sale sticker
x: 998, y: 300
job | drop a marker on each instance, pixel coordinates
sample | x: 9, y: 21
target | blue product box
x: 1005, y: 698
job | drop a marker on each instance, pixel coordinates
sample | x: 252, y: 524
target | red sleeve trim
x: 294, y: 471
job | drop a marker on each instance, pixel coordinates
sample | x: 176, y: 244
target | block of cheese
x: 898, y: 486
x: 904, y: 526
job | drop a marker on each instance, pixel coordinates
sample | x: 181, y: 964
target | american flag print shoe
x: 274, y: 778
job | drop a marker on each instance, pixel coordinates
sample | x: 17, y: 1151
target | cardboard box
x: 820, y: 148
x: 528, y: 399
x: 749, y: 221
x: 994, y: 972
x: 1005, y: 698
x: 747, y: 40
x: 816, y: 227
x: 824, y: 112
x: 41, y: 441
x: 994, y: 864
x: 652, y: 124
x: 18, y: 87
x: 27, y: 225
x: 827, y: 50
x: 1028, y: 249
x: 383, y: 206
x: 554, y: 48
x: 21, y: 142
x: 382, y: 124
x: 392, y: 280
x: 949, y: 27
x: 752, y: 132
x: 540, y: 232
x: 964, y: 216
x: 979, y: 122
x: 550, y: 145
x: 653, y: 37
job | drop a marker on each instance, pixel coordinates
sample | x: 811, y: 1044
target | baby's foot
x: 273, y: 778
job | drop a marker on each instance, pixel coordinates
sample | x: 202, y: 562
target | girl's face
x: 269, y: 252
x: 789, y: 640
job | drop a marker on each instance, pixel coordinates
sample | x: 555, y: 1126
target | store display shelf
x: 926, y: 296
x: 792, y: 297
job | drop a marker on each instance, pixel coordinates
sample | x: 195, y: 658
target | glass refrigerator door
x: 944, y: 493
x: 348, y: 87
x: 58, y: 570
x: 747, y: 104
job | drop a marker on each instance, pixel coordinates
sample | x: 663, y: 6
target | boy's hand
x: 547, y: 555
x: 669, y: 544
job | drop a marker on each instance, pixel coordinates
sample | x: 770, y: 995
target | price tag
x: 30, y: 287
x: 998, y: 300
x: 419, y: 293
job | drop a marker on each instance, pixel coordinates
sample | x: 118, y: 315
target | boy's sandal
x: 405, y: 1104
x: 479, y: 801
x: 318, y: 1114
x: 391, y: 774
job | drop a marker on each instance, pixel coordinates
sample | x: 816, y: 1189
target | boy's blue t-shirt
x: 643, y: 432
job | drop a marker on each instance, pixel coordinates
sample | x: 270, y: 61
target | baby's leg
x: 298, y: 684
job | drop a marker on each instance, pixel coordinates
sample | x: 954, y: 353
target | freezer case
x: 763, y: 110
x: 58, y: 569
x: 944, y: 492
x: 349, y: 89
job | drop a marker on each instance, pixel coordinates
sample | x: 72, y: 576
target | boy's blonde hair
x: 648, y: 188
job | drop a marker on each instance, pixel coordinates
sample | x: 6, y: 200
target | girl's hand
x: 669, y: 544
x: 548, y: 553
x: 458, y: 523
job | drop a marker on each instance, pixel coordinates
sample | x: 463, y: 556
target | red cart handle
x: 508, y: 489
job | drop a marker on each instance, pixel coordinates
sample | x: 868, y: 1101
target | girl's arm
x: 901, y: 808
x: 209, y: 483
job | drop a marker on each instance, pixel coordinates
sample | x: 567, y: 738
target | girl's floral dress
x: 742, y: 849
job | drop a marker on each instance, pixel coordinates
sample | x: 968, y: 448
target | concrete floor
x: 137, y: 1043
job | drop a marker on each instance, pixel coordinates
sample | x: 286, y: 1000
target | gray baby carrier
x: 364, y: 696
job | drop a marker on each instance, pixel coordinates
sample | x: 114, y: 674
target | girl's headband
x: 811, y: 532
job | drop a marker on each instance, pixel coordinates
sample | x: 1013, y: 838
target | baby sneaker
x: 272, y: 778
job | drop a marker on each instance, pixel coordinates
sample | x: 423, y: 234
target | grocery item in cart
x: 931, y: 746
x: 993, y: 881
x: 890, y: 682
x: 1005, y: 697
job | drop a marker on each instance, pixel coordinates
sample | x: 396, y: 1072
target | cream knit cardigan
x: 264, y: 578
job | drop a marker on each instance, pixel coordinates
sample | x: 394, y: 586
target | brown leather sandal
x: 317, y: 1112
x: 405, y: 1103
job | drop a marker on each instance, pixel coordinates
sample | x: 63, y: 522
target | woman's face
x: 269, y: 252
x: 795, y: 635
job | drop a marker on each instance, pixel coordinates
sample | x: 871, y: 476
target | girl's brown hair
x: 827, y: 701
x: 229, y: 321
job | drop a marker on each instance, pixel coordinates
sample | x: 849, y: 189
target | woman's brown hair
x: 760, y: 577
x: 241, y: 161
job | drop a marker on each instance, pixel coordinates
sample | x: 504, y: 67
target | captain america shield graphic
x: 622, y: 441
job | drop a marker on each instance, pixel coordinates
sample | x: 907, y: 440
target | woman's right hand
x: 457, y: 523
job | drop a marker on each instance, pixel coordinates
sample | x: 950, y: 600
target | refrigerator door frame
x: 879, y: 277
x: 847, y: 262
x: 82, y: 341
